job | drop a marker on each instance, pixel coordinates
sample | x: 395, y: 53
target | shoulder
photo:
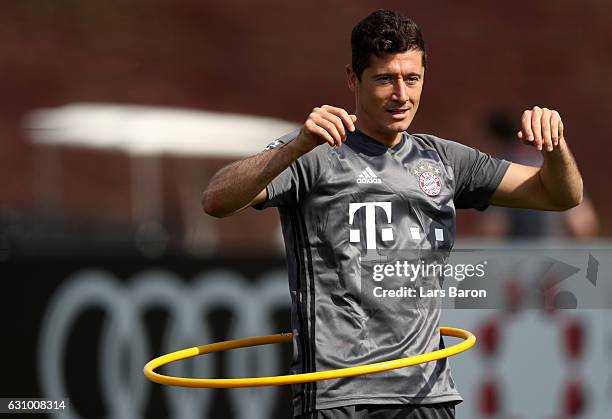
x: 427, y: 139
x: 319, y: 156
x: 448, y: 150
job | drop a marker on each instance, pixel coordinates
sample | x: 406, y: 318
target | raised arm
x: 557, y: 185
x: 243, y: 183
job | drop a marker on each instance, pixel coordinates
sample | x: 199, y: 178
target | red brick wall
x: 281, y: 59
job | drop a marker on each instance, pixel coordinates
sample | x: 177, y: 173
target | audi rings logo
x: 124, y: 333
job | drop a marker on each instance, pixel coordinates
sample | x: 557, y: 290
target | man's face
x: 388, y: 94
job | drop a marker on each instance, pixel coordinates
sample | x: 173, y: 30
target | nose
x: 400, y: 91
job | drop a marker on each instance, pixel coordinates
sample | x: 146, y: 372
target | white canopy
x: 149, y: 130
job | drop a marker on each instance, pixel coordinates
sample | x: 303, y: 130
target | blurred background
x: 114, y: 116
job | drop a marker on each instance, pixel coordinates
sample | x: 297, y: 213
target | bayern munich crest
x: 429, y: 179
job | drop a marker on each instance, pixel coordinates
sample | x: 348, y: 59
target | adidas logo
x: 368, y: 176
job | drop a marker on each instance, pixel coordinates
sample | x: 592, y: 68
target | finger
x: 546, y: 132
x: 336, y: 121
x: 561, y: 129
x: 523, y: 139
x: 312, y: 129
x: 347, y: 120
x: 342, y: 114
x: 536, y: 126
x: 320, y: 132
x: 555, y: 118
x: 330, y: 127
x: 354, y: 118
x: 526, y: 126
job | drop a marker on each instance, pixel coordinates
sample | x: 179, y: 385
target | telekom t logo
x: 370, y: 222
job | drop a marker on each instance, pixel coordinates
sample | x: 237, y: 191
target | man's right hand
x: 326, y: 124
x: 243, y: 183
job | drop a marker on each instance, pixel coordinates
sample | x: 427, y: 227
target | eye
x: 384, y: 79
x: 413, y: 79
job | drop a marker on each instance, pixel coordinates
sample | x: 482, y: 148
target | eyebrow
x: 412, y: 73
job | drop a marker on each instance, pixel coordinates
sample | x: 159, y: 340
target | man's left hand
x: 541, y: 128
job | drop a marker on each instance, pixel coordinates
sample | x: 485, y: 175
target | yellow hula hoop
x: 469, y: 341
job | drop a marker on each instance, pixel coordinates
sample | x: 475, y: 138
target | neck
x: 387, y: 138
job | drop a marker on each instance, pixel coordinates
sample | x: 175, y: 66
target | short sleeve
x: 477, y: 174
x: 291, y: 186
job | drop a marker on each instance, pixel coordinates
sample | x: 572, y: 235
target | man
x: 352, y: 186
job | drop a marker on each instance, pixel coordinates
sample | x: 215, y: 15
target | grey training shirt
x: 343, y: 210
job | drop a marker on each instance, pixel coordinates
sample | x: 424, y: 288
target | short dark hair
x: 384, y: 32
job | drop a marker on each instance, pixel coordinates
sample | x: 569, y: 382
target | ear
x: 351, y: 78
